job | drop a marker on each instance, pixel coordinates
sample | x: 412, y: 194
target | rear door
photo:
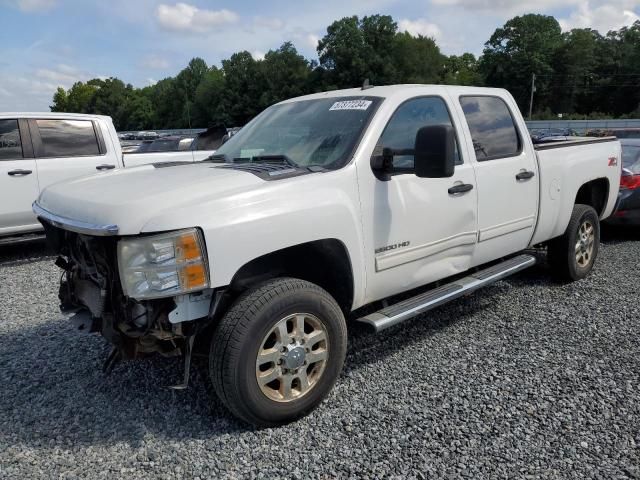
x: 18, y: 178
x: 68, y: 148
x: 506, y: 175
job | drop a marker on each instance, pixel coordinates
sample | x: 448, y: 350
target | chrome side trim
x: 74, y: 225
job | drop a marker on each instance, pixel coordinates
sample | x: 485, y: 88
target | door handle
x: 461, y: 188
x: 105, y: 167
x: 525, y: 175
x: 19, y: 173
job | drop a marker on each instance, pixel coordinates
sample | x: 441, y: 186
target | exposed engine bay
x: 91, y: 292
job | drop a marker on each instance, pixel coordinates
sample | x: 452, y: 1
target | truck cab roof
x: 388, y: 91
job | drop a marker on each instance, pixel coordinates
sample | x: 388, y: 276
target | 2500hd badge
x: 392, y: 247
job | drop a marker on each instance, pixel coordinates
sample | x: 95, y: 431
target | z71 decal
x: 392, y: 247
x: 613, y: 161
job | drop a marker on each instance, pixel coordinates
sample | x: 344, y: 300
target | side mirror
x: 434, y: 154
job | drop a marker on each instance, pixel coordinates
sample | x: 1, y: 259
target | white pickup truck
x: 40, y: 149
x: 321, y: 205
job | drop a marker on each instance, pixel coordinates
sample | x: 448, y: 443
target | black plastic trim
x: 386, y: 176
x: 25, y: 139
x: 102, y: 147
x: 266, y: 171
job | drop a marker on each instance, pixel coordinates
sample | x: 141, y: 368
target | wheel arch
x: 325, y: 263
x: 594, y: 193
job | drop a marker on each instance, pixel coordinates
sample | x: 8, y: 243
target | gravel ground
x: 525, y: 379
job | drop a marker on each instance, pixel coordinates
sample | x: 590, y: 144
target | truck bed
x: 563, y: 168
x: 572, y: 143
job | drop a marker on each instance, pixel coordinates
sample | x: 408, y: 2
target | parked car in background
x: 179, y: 149
x: 132, y: 147
x: 147, y: 136
x: 628, y: 207
x: 622, y: 132
x: 552, y: 135
x: 172, y: 143
x: 39, y: 149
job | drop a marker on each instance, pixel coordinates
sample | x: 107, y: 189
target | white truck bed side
x: 563, y: 168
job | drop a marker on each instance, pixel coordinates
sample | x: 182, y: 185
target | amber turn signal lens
x: 187, y: 247
x: 193, y: 276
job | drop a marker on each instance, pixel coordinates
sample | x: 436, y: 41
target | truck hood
x: 130, y: 197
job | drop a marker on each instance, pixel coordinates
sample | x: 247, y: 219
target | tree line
x: 581, y: 74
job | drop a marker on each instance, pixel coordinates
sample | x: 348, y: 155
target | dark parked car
x: 549, y: 135
x: 628, y: 209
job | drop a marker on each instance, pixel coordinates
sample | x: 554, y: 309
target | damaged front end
x: 154, y: 303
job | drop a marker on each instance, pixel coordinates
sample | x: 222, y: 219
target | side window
x: 411, y: 116
x: 10, y: 143
x: 493, y: 130
x: 67, y: 138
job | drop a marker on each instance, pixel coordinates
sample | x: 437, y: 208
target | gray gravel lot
x: 525, y: 379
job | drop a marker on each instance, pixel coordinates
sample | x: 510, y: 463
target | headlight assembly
x: 163, y: 265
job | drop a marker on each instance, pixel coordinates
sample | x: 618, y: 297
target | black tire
x: 562, y: 250
x: 238, y: 338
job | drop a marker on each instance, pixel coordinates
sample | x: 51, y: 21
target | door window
x: 10, y: 143
x: 67, y: 138
x: 411, y: 116
x: 492, y: 127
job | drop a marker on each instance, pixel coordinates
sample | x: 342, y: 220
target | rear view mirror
x: 434, y: 152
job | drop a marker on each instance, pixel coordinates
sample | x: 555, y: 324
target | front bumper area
x: 91, y: 293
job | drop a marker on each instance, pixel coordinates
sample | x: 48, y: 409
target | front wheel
x: 278, y: 351
x: 573, y: 255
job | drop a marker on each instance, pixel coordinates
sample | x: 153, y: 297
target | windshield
x: 321, y: 133
x: 631, y: 158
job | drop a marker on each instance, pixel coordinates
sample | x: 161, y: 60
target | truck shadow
x: 54, y: 392
x: 367, y: 347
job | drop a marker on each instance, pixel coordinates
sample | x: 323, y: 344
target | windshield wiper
x: 223, y: 158
x: 275, y: 158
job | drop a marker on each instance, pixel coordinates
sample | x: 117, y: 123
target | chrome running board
x: 399, y: 312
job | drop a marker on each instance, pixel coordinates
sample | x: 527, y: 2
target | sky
x: 49, y: 43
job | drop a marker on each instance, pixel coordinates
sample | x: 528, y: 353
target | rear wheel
x: 573, y: 255
x: 278, y: 351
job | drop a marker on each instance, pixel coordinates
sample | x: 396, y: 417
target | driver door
x: 421, y: 231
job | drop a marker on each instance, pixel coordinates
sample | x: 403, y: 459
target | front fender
x: 242, y: 227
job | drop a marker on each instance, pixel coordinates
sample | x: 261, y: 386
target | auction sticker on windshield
x: 351, y: 105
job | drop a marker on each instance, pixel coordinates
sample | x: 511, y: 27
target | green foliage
x: 579, y: 74
x: 209, y: 107
x: 524, y: 46
x: 462, y: 70
x: 372, y: 48
x: 285, y: 73
x: 244, y: 85
x: 415, y: 60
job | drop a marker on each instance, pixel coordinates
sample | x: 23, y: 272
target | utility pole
x: 533, y: 90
